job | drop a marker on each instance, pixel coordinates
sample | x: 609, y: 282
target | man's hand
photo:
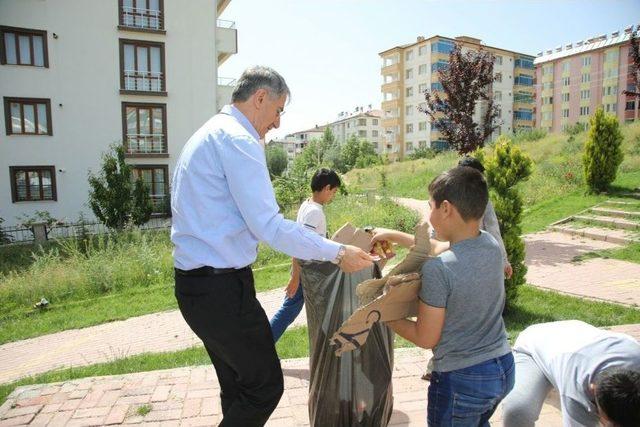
x: 508, y: 271
x: 292, y: 288
x: 355, y: 259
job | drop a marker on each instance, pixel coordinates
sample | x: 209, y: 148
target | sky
x: 327, y: 50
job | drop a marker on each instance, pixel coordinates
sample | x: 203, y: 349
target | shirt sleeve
x: 244, y: 165
x: 313, y: 220
x: 490, y: 225
x: 435, y: 286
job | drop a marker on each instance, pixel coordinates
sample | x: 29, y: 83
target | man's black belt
x: 209, y: 271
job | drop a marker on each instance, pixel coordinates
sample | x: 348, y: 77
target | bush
x: 528, y: 135
x: 602, y: 151
x: 423, y: 153
x: 276, y: 160
x: 4, y: 236
x: 504, y: 170
x: 291, y: 191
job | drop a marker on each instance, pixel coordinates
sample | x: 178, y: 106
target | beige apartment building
x: 411, y: 69
x: 365, y: 125
x: 576, y: 78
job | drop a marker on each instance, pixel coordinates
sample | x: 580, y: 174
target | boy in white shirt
x: 324, y: 185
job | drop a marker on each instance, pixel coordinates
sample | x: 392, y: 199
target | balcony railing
x: 158, y: 202
x: 147, y: 19
x: 146, y: 81
x: 221, y: 23
x: 146, y: 144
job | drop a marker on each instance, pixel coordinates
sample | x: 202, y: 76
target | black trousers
x: 224, y: 313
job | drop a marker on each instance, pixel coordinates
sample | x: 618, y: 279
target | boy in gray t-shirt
x: 460, y: 314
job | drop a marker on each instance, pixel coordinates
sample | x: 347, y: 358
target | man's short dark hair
x: 472, y: 162
x: 465, y: 188
x: 324, y: 177
x: 618, y: 396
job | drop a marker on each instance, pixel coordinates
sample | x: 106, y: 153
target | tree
x: 142, y: 206
x: 602, y: 151
x: 4, y: 236
x: 504, y: 170
x: 111, y: 194
x: 276, y: 160
x: 350, y: 152
x: 465, y: 81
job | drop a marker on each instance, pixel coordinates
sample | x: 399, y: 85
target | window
x: 408, y: 111
x: 409, y: 92
x: 497, y: 60
x: 155, y: 177
x: 497, y: 95
x: 422, y: 69
x: 565, y: 97
x: 547, y: 85
x: 524, y: 97
x: 523, y: 62
x: 408, y: 56
x: 566, y: 81
x: 142, y: 66
x: 409, y: 146
x: 422, y: 144
x: 409, y: 128
x: 523, y: 80
x: 611, y: 108
x: 27, y: 116
x: 610, y: 90
x: 436, y: 86
x: 142, y: 14
x: 422, y: 88
x: 409, y: 73
x: 32, y: 183
x: 566, y: 66
x: 547, y: 100
x: 439, y: 65
x: 584, y: 111
x: 547, y: 69
x: 586, y: 78
x: 565, y: 113
x: 442, y: 46
x: 498, y: 77
x: 362, y: 122
x: 144, y: 128
x: 611, y: 73
x: 374, y: 122
x: 21, y: 46
x: 523, y: 114
x: 631, y: 105
x: 374, y: 133
x: 362, y: 133
x: 611, y: 56
x: 585, y: 94
x: 547, y: 116
x: 422, y: 126
x: 586, y: 61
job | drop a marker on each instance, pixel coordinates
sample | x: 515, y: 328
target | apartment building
x: 79, y: 75
x: 411, y: 69
x: 294, y: 143
x: 576, y: 78
x: 365, y: 125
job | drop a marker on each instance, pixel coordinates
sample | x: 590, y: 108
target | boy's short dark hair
x: 472, y: 162
x: 324, y: 177
x: 618, y: 396
x: 465, y: 188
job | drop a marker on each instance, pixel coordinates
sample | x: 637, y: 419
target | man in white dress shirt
x: 223, y: 204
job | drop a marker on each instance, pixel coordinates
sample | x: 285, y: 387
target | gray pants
x: 522, y: 406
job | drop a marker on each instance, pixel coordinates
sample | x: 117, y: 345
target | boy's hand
x: 508, y: 271
x: 292, y: 288
x: 355, y: 259
x: 380, y: 234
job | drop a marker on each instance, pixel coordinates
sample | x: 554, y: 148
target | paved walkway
x: 189, y: 397
x: 152, y: 333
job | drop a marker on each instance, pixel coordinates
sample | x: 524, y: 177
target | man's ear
x: 259, y: 97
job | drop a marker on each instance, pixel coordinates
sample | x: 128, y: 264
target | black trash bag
x: 354, y: 389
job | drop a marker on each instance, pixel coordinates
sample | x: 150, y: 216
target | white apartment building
x: 410, y: 70
x: 364, y: 125
x: 79, y: 75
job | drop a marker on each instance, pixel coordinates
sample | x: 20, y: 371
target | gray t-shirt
x: 571, y: 354
x: 468, y: 281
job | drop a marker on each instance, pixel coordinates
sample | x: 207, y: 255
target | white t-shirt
x: 571, y: 354
x: 312, y: 216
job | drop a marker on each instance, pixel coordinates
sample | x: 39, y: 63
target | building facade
x: 79, y: 75
x: 410, y: 70
x: 294, y: 143
x: 365, y: 125
x: 575, y: 79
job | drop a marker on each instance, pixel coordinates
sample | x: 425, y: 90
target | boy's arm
x: 294, y: 281
x: 426, y: 331
x: 403, y: 239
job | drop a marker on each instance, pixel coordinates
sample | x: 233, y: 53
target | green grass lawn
x: 629, y: 253
x: 533, y: 306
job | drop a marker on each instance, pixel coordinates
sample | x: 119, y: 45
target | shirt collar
x: 237, y: 114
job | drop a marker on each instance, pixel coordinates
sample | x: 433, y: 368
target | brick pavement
x: 189, y: 397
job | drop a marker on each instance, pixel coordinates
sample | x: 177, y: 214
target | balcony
x: 143, y: 81
x: 392, y: 86
x: 145, y: 145
x: 134, y: 18
x: 226, y: 40
x: 391, y: 104
x: 391, y: 69
x: 224, y: 91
